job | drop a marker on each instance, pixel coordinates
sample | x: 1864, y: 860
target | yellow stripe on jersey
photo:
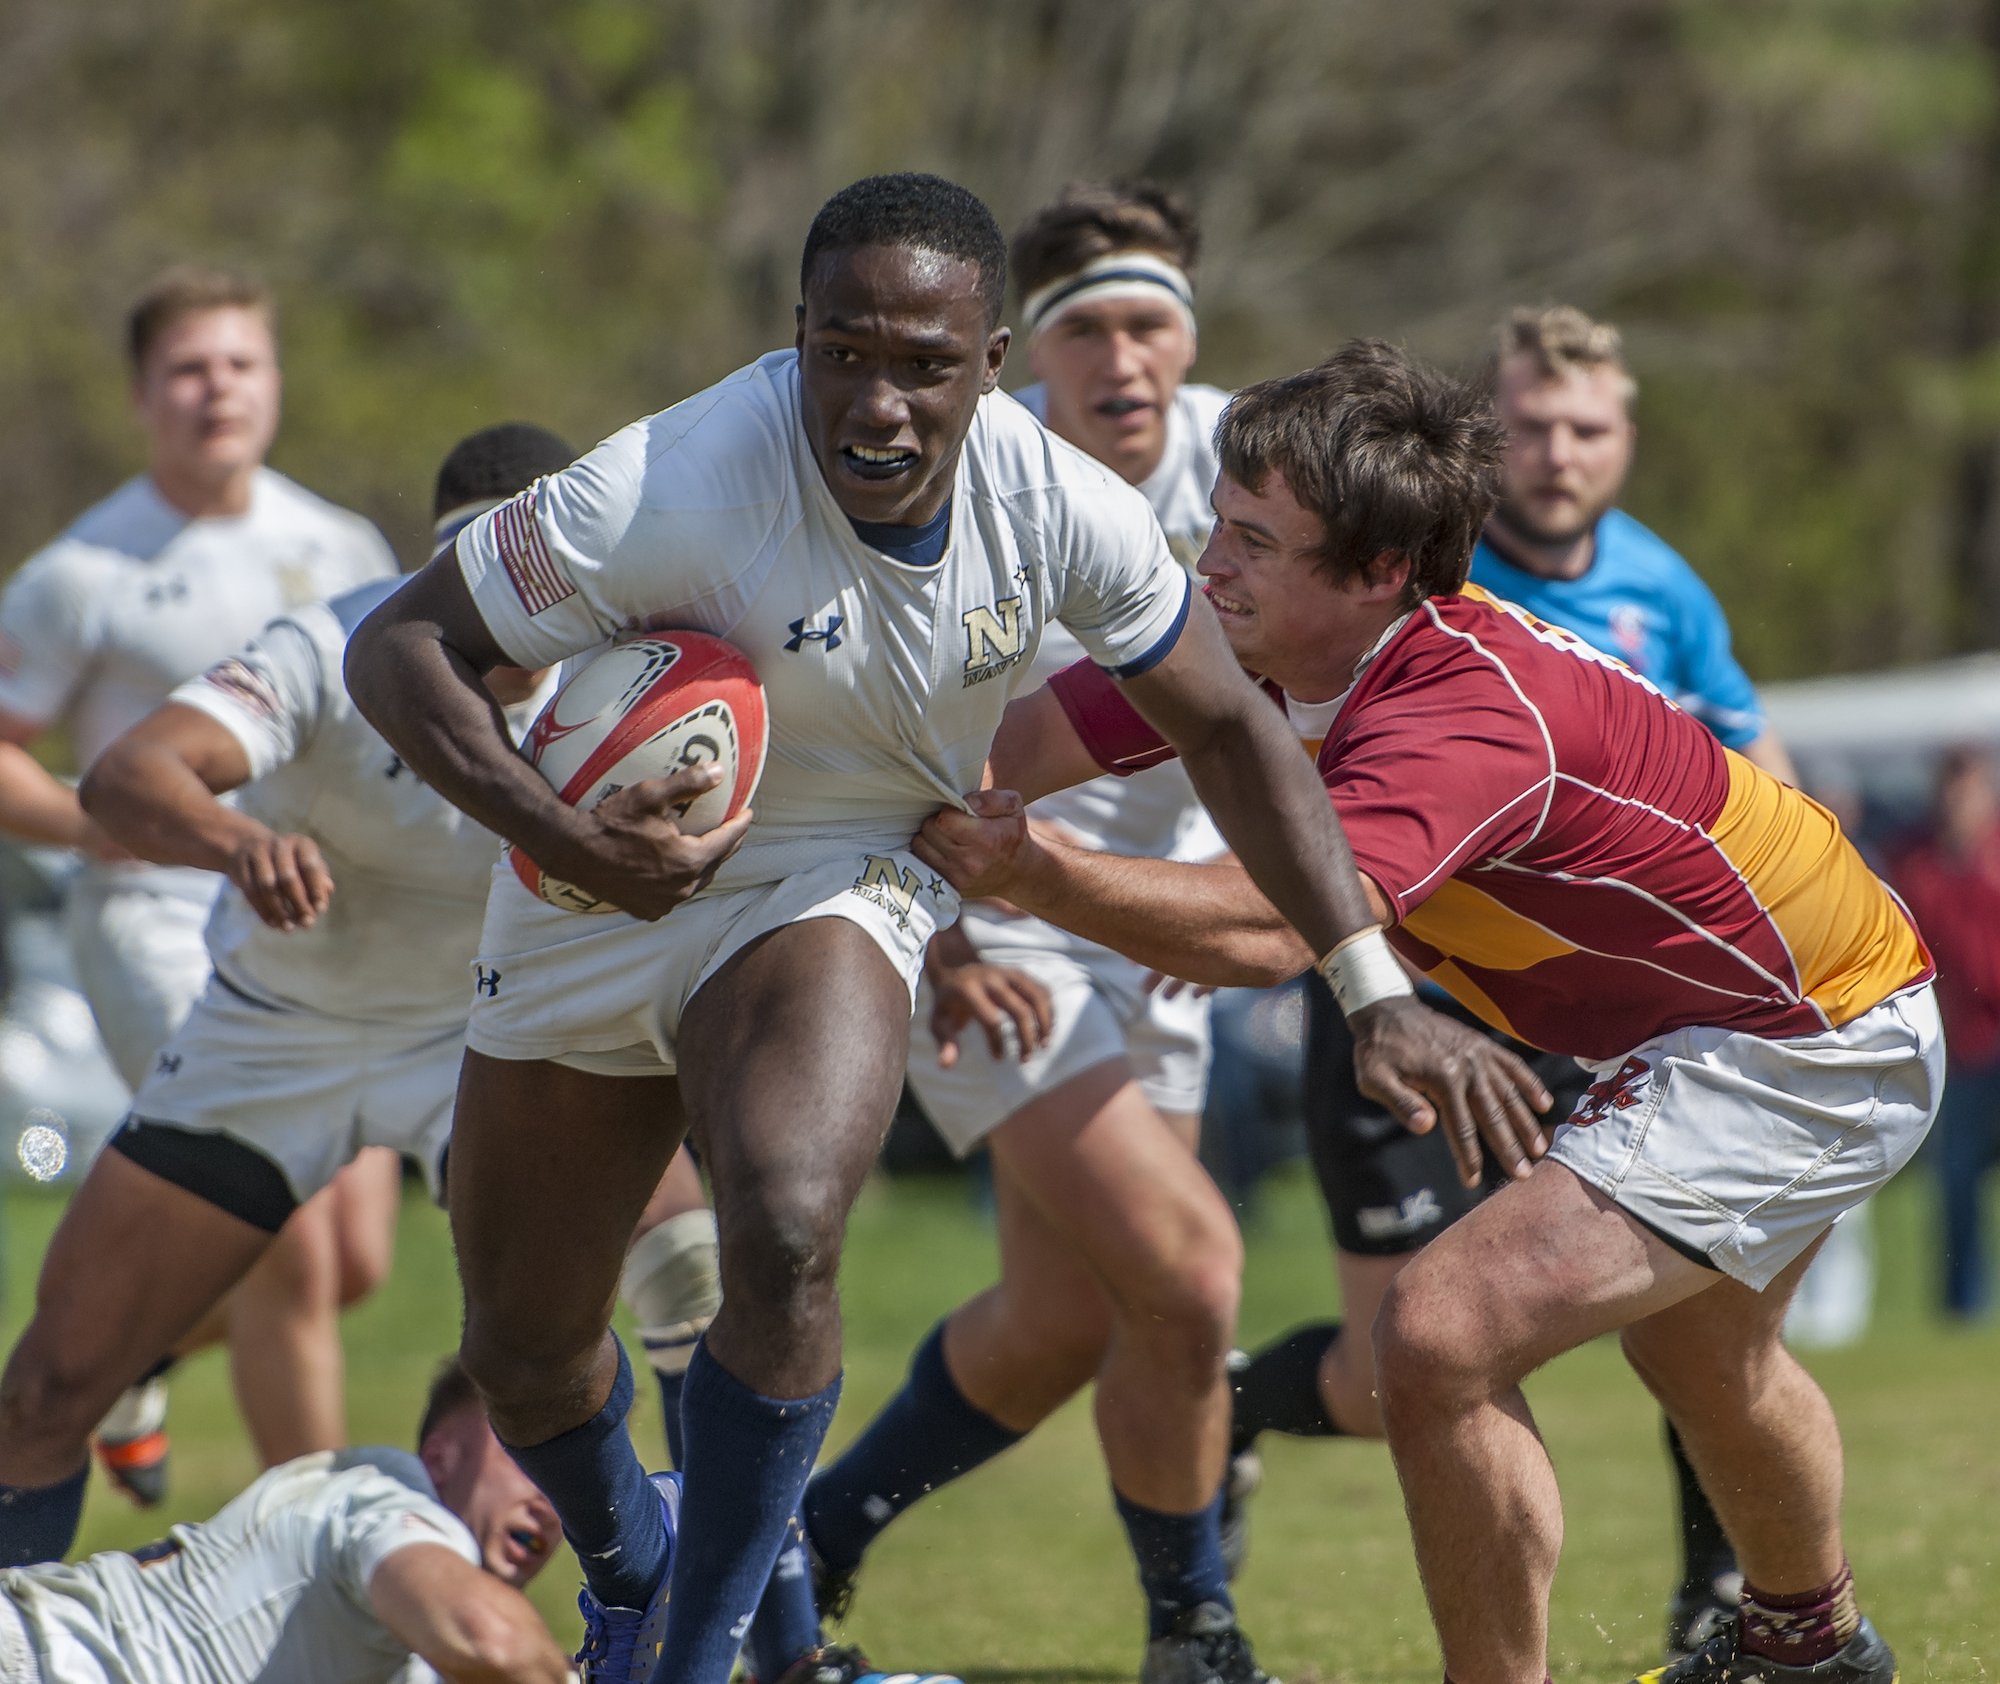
x: 1848, y: 938
x: 1469, y: 924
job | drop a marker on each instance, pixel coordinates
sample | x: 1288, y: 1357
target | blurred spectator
x: 1951, y: 883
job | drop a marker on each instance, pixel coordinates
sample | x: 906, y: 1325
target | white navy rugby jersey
x: 885, y: 682
x: 97, y: 628
x: 1153, y: 814
x: 410, y: 871
x: 274, y: 1587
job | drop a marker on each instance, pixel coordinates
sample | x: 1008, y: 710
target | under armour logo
x: 486, y: 982
x: 172, y: 590
x: 802, y: 633
x: 170, y: 1064
x: 397, y: 767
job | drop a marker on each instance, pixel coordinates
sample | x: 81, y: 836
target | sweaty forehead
x: 901, y: 283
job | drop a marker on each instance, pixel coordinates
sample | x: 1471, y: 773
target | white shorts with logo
x: 1102, y: 1011
x: 136, y: 940
x: 603, y: 992
x: 1746, y: 1150
x: 306, y: 1091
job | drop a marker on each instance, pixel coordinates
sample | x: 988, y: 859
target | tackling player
x: 334, y: 1021
x: 173, y: 571
x: 1549, y: 838
x: 1557, y: 544
x: 886, y: 538
x: 334, y: 1568
x: 1119, y: 1259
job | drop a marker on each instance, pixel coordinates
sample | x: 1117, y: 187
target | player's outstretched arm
x: 37, y: 806
x: 154, y: 791
x: 468, y: 1625
x: 414, y: 668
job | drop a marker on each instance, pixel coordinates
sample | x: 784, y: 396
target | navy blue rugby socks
x: 926, y: 1436
x: 610, y: 1512
x: 1180, y: 1560
x: 38, y: 1522
x: 748, y: 1458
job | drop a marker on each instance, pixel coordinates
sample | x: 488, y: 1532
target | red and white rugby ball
x: 646, y: 709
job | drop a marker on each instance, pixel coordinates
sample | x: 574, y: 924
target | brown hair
x: 1391, y: 455
x: 1090, y: 218
x: 451, y: 1391
x: 187, y: 290
x: 1562, y: 340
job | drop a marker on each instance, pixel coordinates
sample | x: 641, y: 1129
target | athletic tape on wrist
x: 1362, y: 971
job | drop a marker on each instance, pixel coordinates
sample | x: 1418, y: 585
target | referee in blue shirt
x: 1559, y: 547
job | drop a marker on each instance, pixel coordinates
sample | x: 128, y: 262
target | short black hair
x: 451, y: 1391
x: 497, y: 462
x: 1389, y: 454
x: 925, y: 212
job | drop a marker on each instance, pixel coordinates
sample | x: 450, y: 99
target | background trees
x: 574, y: 211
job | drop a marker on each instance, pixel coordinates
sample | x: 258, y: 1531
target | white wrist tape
x: 1363, y: 970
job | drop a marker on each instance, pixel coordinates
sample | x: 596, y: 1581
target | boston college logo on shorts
x: 1616, y: 1092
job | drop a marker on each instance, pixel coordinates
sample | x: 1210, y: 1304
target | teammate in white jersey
x: 886, y: 537
x: 163, y: 578
x: 334, y: 1021
x: 1119, y: 1259
x: 369, y: 1566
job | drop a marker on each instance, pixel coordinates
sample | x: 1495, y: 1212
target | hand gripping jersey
x: 885, y: 681
x: 1570, y: 854
x: 274, y: 1587
x: 410, y: 871
x: 1643, y: 603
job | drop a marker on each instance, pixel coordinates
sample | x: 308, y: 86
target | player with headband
x: 886, y: 537
x: 1577, y: 858
x: 1119, y: 1259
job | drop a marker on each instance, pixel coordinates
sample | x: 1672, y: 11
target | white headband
x: 1117, y: 274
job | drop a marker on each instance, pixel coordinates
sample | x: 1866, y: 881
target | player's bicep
x: 437, y: 605
x: 206, y: 746
x: 1195, y: 686
x: 1037, y: 749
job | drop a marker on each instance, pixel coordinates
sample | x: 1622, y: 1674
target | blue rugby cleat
x: 621, y: 1645
x: 837, y: 1664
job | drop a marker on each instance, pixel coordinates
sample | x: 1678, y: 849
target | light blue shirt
x: 1642, y: 602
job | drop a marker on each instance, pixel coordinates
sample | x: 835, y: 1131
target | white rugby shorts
x: 1102, y: 1011
x: 140, y: 957
x: 1745, y: 1150
x: 306, y: 1091
x: 604, y: 992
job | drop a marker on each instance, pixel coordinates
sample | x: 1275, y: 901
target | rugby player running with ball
x: 884, y: 539
x: 1119, y: 1259
x: 1565, y: 850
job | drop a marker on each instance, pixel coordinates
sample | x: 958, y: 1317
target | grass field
x: 1019, y: 1573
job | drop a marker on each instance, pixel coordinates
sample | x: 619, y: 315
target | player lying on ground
x: 886, y: 540
x: 1119, y: 1259
x: 173, y: 571
x: 1564, y: 849
x: 335, y: 1567
x: 335, y: 1020
x: 1557, y: 544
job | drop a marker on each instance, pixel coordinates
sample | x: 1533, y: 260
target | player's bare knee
x: 52, y: 1391
x: 782, y: 1247
x: 1426, y: 1354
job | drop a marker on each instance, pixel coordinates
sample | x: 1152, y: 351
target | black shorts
x: 1387, y: 1190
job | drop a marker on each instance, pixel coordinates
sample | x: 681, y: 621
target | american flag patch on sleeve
x: 538, y: 582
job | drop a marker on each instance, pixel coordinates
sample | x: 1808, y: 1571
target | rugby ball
x: 646, y: 709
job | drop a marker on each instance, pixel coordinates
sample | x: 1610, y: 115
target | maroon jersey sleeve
x: 1428, y: 777
x: 1111, y: 728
